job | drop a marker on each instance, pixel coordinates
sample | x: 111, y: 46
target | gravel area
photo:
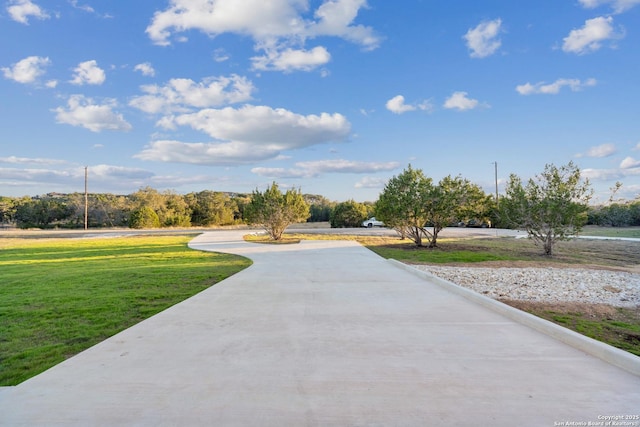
x: 619, y: 289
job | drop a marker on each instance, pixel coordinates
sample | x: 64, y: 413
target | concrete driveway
x: 323, y: 333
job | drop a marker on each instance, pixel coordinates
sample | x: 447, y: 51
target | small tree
x: 144, y: 217
x: 402, y: 205
x: 551, y: 208
x: 348, y: 214
x: 411, y: 204
x: 451, y: 200
x: 275, y: 211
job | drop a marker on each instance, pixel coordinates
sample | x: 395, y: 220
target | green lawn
x: 61, y: 296
x: 593, y: 230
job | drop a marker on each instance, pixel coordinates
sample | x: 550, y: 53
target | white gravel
x: 618, y: 289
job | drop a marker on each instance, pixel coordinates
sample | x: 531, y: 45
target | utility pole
x: 86, y: 198
x: 496, y: 175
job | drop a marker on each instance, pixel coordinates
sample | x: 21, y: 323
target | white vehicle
x: 372, y: 222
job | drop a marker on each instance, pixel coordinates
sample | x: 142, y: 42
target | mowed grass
x: 594, y: 230
x: 61, y: 296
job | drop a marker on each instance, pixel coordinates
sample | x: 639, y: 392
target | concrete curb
x: 609, y: 354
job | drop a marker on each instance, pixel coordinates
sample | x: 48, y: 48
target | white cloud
x: 618, y: 6
x: 246, y: 135
x: 459, y: 101
x: 554, y: 88
x: 590, y: 37
x: 83, y: 7
x: 600, y: 151
x: 21, y: 10
x: 280, y: 173
x: 84, y: 112
x: 637, y: 147
x: 346, y: 166
x: 335, y: 18
x: 220, y: 55
x: 118, y: 172
x: 146, y: 69
x: 483, y: 40
x: 278, y: 127
x: 396, y: 105
x: 288, y: 60
x: 88, y: 72
x: 318, y: 167
x: 205, y: 153
x: 630, y: 163
x: 27, y: 70
x: 72, y: 178
x: 280, y: 28
x: 371, y: 182
x: 31, y: 161
x: 611, y: 174
x: 182, y: 95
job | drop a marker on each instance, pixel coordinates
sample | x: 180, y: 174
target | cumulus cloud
x: 83, y: 112
x: 246, y: 135
x: 461, y: 102
x: 630, y: 163
x: 88, y: 72
x: 21, y: 10
x: 288, y: 60
x: 590, y: 37
x: 618, y: 6
x: 182, y: 95
x: 280, y: 28
x: 27, y: 70
x: 146, y: 69
x: 315, y: 168
x: 554, y: 88
x: 397, y: 105
x: 600, y: 151
x: 483, y: 40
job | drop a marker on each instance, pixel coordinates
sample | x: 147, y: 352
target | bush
x: 145, y: 217
x: 348, y: 214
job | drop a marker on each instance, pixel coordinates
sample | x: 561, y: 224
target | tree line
x: 146, y: 208
x: 451, y: 201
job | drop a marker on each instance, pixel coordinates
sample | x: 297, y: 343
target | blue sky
x: 332, y: 96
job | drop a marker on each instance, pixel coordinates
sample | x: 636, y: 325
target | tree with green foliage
x: 171, y: 208
x: 452, y: 200
x: 551, y: 207
x: 275, y: 211
x: 8, y: 206
x: 211, y: 208
x: 320, y: 208
x: 144, y: 217
x: 42, y: 212
x: 348, y: 214
x: 419, y: 209
x: 403, y: 204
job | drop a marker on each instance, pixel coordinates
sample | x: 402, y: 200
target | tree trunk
x: 548, y: 245
x: 416, y: 231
